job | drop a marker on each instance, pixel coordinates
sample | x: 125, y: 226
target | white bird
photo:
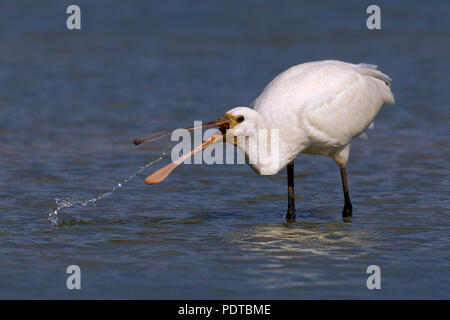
x: 315, y: 108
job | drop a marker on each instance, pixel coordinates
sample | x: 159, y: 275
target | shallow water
x: 72, y: 101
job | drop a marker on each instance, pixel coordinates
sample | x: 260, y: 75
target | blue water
x: 72, y: 101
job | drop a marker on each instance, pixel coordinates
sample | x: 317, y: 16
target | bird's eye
x: 240, y: 119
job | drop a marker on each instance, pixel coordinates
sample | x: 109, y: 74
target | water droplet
x: 68, y: 202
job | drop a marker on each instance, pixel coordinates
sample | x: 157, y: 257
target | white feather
x: 319, y: 107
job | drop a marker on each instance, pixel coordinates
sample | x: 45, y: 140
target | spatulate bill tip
x: 150, y: 182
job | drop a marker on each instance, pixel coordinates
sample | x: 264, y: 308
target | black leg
x: 291, y: 200
x: 347, y: 211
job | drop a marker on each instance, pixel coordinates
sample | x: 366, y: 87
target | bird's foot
x: 347, y: 213
x: 290, y: 217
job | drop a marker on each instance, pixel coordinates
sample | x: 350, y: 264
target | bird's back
x: 328, y: 100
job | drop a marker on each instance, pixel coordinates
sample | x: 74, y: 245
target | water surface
x: 70, y: 103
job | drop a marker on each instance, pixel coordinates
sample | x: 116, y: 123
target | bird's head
x: 243, y: 122
x: 237, y: 122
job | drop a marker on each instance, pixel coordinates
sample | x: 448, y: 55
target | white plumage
x: 318, y: 108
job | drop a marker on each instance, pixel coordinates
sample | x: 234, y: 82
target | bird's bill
x: 162, y: 173
x: 223, y: 122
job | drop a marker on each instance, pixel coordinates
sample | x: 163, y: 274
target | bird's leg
x: 291, y: 200
x: 347, y: 211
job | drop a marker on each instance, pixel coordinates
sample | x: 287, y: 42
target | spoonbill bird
x: 316, y: 108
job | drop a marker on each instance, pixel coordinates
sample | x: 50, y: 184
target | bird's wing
x: 351, y: 98
x: 332, y: 99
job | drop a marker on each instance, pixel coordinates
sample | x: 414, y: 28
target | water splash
x: 68, y: 202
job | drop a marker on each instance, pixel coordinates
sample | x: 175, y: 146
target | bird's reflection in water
x: 292, y: 256
x: 288, y: 241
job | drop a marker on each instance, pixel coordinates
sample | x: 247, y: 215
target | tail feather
x: 385, y: 89
x: 371, y: 70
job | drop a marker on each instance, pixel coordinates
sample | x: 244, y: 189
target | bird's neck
x: 266, y: 151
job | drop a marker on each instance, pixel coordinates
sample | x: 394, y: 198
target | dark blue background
x: 71, y: 101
